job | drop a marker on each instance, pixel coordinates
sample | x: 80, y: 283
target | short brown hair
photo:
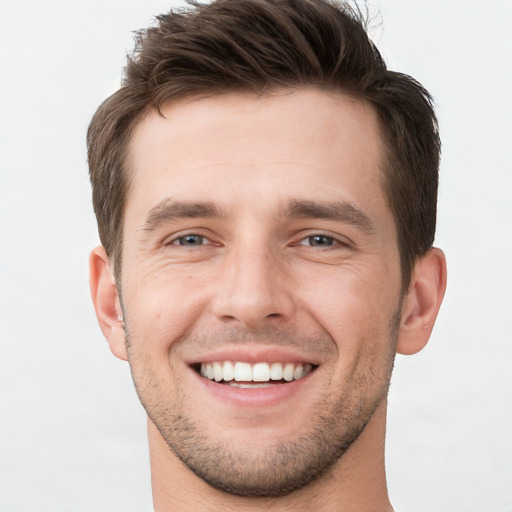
x: 256, y: 46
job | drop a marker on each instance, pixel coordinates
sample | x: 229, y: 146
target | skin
x: 291, y: 256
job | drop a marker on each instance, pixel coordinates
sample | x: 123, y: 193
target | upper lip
x: 255, y: 355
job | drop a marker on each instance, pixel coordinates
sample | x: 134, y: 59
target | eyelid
x: 339, y: 240
x: 177, y: 241
x: 173, y: 239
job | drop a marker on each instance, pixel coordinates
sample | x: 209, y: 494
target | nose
x: 253, y: 288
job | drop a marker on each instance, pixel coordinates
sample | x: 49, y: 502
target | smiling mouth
x: 258, y: 375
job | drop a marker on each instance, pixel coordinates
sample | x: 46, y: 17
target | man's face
x: 259, y: 250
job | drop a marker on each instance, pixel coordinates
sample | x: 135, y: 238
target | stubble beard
x: 274, y: 471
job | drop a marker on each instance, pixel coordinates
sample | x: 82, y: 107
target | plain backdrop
x: 72, y: 431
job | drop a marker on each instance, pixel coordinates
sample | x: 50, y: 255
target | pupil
x: 191, y: 240
x: 320, y: 240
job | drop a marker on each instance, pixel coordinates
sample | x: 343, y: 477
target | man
x: 265, y: 191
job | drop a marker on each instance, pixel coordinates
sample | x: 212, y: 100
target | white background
x: 72, y: 431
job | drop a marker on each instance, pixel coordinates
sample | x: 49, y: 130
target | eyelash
x: 179, y: 239
x: 332, y: 241
x: 318, y: 241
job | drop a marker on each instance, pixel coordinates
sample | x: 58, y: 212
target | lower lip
x: 254, y: 397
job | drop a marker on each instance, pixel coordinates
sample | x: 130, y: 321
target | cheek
x: 357, y: 308
x: 163, y: 305
x: 159, y: 311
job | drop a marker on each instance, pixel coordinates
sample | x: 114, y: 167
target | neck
x: 356, y: 482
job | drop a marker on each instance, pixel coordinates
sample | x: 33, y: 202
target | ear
x: 106, y: 302
x: 422, y: 302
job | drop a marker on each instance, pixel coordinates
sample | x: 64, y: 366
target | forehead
x: 237, y: 149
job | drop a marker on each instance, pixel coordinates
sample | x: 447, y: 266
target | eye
x: 318, y: 241
x: 190, y: 240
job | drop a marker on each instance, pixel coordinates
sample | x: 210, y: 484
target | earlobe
x: 422, y: 303
x: 106, y: 302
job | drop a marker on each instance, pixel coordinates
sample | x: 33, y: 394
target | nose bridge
x: 252, y: 287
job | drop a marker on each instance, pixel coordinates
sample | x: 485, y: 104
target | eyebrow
x: 170, y: 209
x: 340, y: 211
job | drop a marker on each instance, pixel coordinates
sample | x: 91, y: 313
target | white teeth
x: 297, y: 373
x: 243, y: 372
x: 249, y: 386
x: 218, y: 374
x: 259, y: 372
x: 276, y: 371
x: 228, y: 370
x: 288, y: 372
